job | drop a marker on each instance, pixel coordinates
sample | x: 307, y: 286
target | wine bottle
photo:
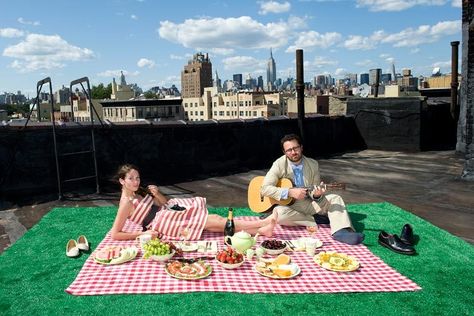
x: 229, y: 227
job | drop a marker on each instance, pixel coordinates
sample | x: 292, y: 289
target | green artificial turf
x: 34, y: 273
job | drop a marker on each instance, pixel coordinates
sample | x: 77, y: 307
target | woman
x: 176, y: 224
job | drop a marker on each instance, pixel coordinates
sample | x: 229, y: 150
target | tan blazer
x: 281, y: 168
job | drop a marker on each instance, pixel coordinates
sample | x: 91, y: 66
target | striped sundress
x: 187, y: 224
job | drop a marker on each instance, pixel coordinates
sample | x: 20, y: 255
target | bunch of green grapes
x: 156, y: 247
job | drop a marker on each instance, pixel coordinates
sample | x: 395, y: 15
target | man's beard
x: 296, y: 158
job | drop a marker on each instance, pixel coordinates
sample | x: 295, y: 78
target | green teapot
x: 241, y: 241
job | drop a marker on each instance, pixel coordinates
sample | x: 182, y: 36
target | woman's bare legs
x: 216, y: 223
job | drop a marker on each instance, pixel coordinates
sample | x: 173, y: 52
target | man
x: 307, y: 209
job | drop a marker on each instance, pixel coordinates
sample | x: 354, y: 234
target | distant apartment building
x: 233, y: 105
x: 196, y: 76
x: 238, y: 79
x: 385, y: 78
x: 374, y: 75
x: 364, y: 78
x: 121, y: 91
x: 62, y: 96
x: 80, y: 111
x: 407, y: 81
x: 437, y: 82
x: 167, y: 109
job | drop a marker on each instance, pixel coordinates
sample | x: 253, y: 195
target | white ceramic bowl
x: 230, y: 265
x: 274, y: 252
x: 163, y: 258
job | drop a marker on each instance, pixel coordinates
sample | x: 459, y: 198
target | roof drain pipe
x: 300, y: 91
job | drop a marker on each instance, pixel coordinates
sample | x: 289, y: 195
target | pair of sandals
x: 74, y: 247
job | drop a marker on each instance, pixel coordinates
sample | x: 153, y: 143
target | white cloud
x: 176, y: 57
x: 364, y: 63
x: 340, y: 72
x: 396, y: 5
x: 117, y: 73
x: 243, y: 64
x: 319, y: 62
x: 222, y: 33
x: 423, y: 34
x: 23, y: 21
x: 220, y: 51
x: 313, y: 39
x: 144, y: 62
x: 39, y: 51
x: 355, y: 42
x: 11, y: 32
x: 274, y: 7
x: 415, y: 50
x: 134, y: 17
x: 442, y: 64
x: 390, y: 60
x: 456, y: 3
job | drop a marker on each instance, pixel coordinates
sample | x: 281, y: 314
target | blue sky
x: 151, y: 41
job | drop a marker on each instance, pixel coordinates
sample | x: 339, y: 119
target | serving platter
x: 126, y: 254
x: 338, y: 262
x: 266, y: 271
x: 187, y: 270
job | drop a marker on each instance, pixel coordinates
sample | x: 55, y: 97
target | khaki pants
x: 331, y: 205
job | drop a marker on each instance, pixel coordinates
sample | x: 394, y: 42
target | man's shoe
x: 406, y: 236
x: 321, y: 219
x: 394, y: 243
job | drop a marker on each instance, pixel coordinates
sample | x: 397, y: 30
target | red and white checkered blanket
x: 147, y: 276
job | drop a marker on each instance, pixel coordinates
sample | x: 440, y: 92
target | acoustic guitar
x: 260, y: 204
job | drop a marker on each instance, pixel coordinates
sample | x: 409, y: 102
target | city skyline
x: 151, y: 41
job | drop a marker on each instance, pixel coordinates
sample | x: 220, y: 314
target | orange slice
x: 282, y: 259
x: 282, y: 272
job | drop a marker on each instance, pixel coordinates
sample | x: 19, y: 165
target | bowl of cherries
x: 273, y: 246
x: 230, y: 258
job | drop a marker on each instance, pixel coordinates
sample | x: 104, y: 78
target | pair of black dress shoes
x: 403, y: 245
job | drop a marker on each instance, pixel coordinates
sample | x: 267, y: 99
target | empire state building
x: 271, y: 73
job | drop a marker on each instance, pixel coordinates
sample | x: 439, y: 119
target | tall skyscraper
x: 238, y: 79
x: 364, y: 78
x: 217, y: 82
x: 196, y: 76
x: 271, y: 72
x: 374, y: 74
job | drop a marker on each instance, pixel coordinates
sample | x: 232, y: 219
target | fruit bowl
x: 229, y: 258
x: 273, y: 246
x: 162, y: 258
x: 230, y: 265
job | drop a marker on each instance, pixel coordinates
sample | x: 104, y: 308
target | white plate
x: 207, y: 266
x: 300, y: 243
x: 133, y: 251
x: 188, y: 247
x: 326, y: 265
x: 298, y: 271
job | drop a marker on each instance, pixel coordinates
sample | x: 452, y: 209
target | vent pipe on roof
x: 454, y: 80
x: 300, y: 90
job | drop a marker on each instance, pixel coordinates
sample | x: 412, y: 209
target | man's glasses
x: 295, y: 149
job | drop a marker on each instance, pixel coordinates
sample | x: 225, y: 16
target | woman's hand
x: 154, y: 190
x: 153, y: 233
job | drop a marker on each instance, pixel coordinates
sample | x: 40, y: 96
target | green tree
x: 150, y: 95
x: 101, y: 92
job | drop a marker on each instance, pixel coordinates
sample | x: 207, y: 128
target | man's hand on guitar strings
x: 318, y: 190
